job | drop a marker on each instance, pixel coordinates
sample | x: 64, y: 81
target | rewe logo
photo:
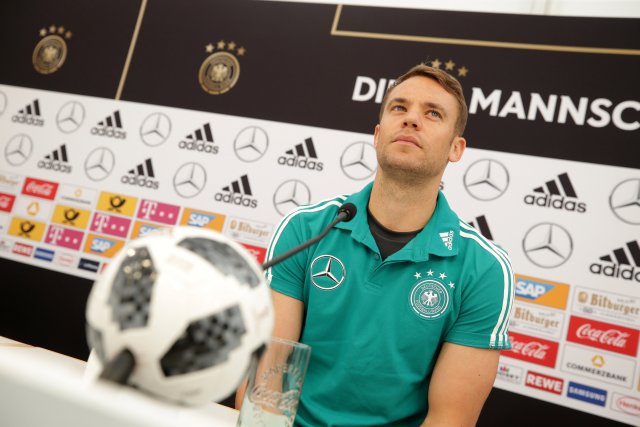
x: 29, y: 115
x: 624, y: 264
x: 111, y: 127
x: 302, y: 156
x: 200, y: 140
x: 557, y: 194
x: 238, y: 193
x: 57, y: 160
x: 142, y: 176
x: 544, y: 382
x: 482, y: 226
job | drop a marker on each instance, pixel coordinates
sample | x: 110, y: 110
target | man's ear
x: 457, y: 148
x: 376, y: 131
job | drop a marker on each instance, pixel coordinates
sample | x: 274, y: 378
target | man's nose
x: 411, y: 118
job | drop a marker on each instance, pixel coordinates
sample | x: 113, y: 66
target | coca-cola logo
x: 611, y: 337
x: 38, y: 188
x: 6, y: 202
x: 532, y: 349
x: 606, y: 336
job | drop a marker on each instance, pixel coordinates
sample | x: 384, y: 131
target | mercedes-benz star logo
x: 547, y: 245
x: 99, y: 163
x: 486, y: 179
x: 625, y: 201
x: 155, y: 129
x: 189, y: 179
x: 358, y: 160
x: 291, y: 194
x: 327, y: 272
x: 18, y: 149
x: 3, y: 102
x: 251, y: 144
x: 70, y: 116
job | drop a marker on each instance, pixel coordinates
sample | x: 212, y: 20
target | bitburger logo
x: 51, y: 51
x: 238, y: 193
x: 623, y: 263
x: 110, y: 127
x: 57, y: 160
x: 303, y: 156
x: 142, y: 175
x: 201, y: 140
x: 29, y: 115
x: 220, y: 71
x: 557, y: 194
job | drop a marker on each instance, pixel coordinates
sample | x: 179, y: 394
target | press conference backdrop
x: 120, y: 117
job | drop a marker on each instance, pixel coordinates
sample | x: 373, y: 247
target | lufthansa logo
x: 155, y: 129
x: 358, y: 160
x: 99, y: 164
x: 327, y: 272
x: 429, y: 299
x: 547, y: 245
x: 290, y: 195
x: 70, y: 117
x: 625, y: 201
x: 189, y: 180
x: 251, y: 144
x: 50, y: 52
x: 18, y: 149
x: 220, y: 71
x: 486, y: 179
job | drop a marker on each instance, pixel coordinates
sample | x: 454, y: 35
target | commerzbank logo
x: 358, y: 161
x: 486, y: 179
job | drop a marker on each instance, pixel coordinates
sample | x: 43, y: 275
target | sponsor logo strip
x: 22, y: 249
x: 141, y: 228
x: 117, y: 203
x: 255, y: 251
x: 593, y: 395
x: 103, y: 246
x: 607, y: 305
x: 543, y: 292
x: 627, y: 404
x: 10, y: 182
x: 159, y: 212
x: 64, y: 237
x: 599, y: 366
x: 197, y: 218
x: 110, y: 224
x: 532, y: 349
x: 35, y: 209
x: 39, y: 188
x: 89, y: 265
x: 78, y: 195
x: 248, y: 231
x: 509, y: 373
x: 44, y: 254
x: 6, y: 202
x: 544, y: 382
x: 70, y: 216
x: 605, y: 336
x: 27, y: 229
x: 536, y: 320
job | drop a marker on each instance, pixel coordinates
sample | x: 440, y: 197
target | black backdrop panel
x: 101, y: 33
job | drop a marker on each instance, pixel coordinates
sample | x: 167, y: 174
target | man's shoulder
x: 486, y: 251
x: 314, y: 215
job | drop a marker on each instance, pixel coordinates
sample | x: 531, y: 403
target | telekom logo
x: 38, y: 188
x: 606, y: 336
x: 532, y: 349
x: 148, y: 209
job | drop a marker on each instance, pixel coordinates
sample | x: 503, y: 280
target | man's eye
x: 434, y: 113
x: 398, y: 108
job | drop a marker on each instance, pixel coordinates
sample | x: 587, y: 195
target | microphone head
x: 349, y: 210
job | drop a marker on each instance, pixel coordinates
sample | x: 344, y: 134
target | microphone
x: 345, y: 213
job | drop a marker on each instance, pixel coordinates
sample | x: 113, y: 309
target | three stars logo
x: 51, y: 51
x: 450, y: 66
x: 220, y: 71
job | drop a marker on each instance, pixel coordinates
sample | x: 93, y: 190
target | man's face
x: 416, y: 137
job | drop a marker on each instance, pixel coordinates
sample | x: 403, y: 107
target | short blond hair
x: 448, y: 83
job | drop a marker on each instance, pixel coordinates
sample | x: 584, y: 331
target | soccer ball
x: 190, y: 305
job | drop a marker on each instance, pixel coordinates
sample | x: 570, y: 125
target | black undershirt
x: 388, y: 241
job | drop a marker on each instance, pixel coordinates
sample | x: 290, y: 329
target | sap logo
x: 200, y: 220
x: 144, y: 229
x: 101, y: 245
x: 531, y: 290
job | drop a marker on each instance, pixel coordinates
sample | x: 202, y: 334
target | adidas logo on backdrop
x: 29, y: 115
x: 200, y: 140
x: 111, y: 127
x: 302, y: 156
x: 624, y: 264
x: 57, y: 160
x: 238, y: 193
x: 142, y: 176
x: 558, y: 194
x: 482, y: 226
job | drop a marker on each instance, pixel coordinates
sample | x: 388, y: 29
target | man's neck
x: 401, y: 206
